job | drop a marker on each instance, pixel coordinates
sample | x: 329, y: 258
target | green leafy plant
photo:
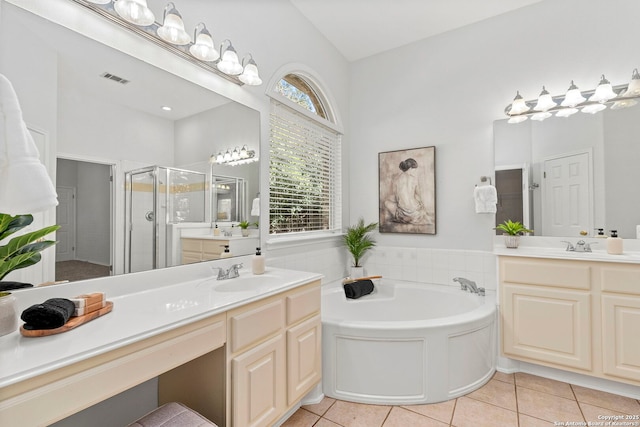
x: 358, y: 240
x: 24, y: 250
x: 512, y: 228
x: 244, y: 224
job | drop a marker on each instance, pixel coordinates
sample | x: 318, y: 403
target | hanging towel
x: 25, y: 186
x: 255, y: 207
x: 486, y: 198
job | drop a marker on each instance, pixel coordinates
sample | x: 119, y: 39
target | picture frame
x: 407, y: 191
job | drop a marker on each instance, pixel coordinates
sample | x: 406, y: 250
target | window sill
x: 281, y: 241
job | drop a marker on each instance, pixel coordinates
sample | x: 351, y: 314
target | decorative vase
x: 511, y: 241
x: 245, y: 232
x: 8, y: 318
x: 357, y: 272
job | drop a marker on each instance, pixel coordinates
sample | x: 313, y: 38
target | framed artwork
x: 407, y: 191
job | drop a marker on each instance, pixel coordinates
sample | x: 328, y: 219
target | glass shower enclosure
x: 155, y: 198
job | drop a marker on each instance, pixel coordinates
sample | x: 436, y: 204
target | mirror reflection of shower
x: 155, y: 198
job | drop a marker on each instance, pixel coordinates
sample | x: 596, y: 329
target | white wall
x: 447, y: 91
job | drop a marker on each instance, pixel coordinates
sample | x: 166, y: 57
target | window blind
x: 304, y: 174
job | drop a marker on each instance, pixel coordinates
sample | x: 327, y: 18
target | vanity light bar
x: 163, y: 38
x: 592, y: 101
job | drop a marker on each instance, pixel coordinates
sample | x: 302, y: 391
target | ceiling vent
x: 114, y: 78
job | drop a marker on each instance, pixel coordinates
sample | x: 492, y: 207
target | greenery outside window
x: 305, y: 164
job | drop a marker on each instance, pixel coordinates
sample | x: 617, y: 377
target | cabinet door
x: 258, y: 390
x: 620, y: 332
x: 304, y: 353
x: 547, y: 324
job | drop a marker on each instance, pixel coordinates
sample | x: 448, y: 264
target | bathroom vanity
x: 240, y: 351
x: 578, y: 312
x: 207, y: 247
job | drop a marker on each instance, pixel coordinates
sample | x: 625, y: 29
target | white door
x: 567, y: 205
x: 66, y: 219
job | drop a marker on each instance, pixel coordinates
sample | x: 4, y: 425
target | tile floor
x: 518, y: 400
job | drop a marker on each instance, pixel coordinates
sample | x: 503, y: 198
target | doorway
x: 84, y: 213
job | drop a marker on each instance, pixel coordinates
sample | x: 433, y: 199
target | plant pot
x: 245, y: 232
x: 357, y: 272
x: 511, y: 241
x: 8, y: 317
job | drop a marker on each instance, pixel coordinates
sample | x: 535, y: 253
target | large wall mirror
x: 567, y: 176
x: 108, y: 113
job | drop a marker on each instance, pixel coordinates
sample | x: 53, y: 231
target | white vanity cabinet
x: 196, y: 250
x: 620, y: 301
x: 582, y: 316
x: 273, y: 354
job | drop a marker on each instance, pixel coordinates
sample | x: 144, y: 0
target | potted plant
x: 512, y: 232
x: 358, y: 242
x: 244, y: 228
x: 20, y: 252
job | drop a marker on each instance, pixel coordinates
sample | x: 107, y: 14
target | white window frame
x: 276, y: 97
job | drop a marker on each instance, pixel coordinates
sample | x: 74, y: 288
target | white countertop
x: 145, y: 304
x: 547, y: 247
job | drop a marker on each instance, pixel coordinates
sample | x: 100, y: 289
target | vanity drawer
x: 622, y: 278
x: 546, y: 272
x: 247, y: 327
x: 192, y: 245
x: 213, y: 247
x: 303, y: 304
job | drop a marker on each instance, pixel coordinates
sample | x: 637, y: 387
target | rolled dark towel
x: 7, y: 286
x: 355, y: 290
x: 51, y: 314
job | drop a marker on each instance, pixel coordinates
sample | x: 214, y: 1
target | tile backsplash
x: 438, y: 266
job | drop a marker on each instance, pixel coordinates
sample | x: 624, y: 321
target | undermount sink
x: 246, y: 282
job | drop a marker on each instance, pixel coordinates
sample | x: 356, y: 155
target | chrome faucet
x: 469, y: 285
x: 580, y: 246
x: 230, y: 273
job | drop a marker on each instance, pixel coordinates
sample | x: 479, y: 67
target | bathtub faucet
x: 469, y: 285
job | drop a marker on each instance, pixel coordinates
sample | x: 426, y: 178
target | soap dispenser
x: 600, y: 234
x: 614, y: 243
x: 257, y: 263
x: 226, y: 253
x: 216, y: 231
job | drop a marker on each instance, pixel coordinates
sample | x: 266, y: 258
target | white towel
x: 255, y: 207
x: 25, y: 186
x: 486, y: 198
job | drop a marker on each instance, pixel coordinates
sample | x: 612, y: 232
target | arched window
x: 299, y: 91
x: 305, y: 160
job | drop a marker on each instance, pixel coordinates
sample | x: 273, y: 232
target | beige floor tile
x: 349, y: 414
x: 547, y: 406
x: 545, y: 385
x: 400, y: 417
x: 301, y: 418
x: 527, y: 421
x: 442, y: 411
x: 323, y: 422
x: 607, y: 400
x: 320, y: 408
x: 592, y: 413
x: 474, y: 413
x: 497, y: 393
x: 506, y: 378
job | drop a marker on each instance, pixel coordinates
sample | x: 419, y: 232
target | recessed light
x: 166, y: 108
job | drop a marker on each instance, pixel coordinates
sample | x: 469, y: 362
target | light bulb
x: 603, y: 92
x: 573, y: 97
x: 545, y: 101
x: 203, y: 47
x: 135, y: 11
x: 518, y: 106
x: 172, y: 29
